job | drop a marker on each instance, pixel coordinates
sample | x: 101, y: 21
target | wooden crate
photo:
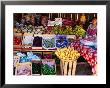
x: 64, y: 67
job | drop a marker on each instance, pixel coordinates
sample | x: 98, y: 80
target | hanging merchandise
x: 28, y: 20
x: 83, y: 18
x: 33, y: 20
x: 51, y: 23
x: 44, y: 21
x: 38, y: 20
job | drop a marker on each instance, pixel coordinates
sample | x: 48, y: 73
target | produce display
x: 36, y: 67
x: 27, y: 57
x: 48, y: 67
x: 79, y: 31
x: 48, y: 43
x: 17, y: 40
x: 64, y: 30
x: 67, y: 53
x: 61, y: 41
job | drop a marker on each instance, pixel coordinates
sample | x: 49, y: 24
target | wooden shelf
x: 15, y: 50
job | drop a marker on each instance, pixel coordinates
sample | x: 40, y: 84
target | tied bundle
x: 67, y: 54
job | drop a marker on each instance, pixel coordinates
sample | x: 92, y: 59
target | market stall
x: 51, y: 43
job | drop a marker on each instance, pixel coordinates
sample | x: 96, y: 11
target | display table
x: 88, y: 53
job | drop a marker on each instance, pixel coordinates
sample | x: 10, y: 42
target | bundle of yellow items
x: 67, y: 54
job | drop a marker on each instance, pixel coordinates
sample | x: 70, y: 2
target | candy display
x: 48, y: 67
x: 48, y: 42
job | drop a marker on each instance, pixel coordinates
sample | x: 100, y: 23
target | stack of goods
x: 79, y: 31
x: 17, y: 40
x: 26, y: 63
x: 39, y: 30
x: 61, y: 41
x: 64, y: 30
x: 48, y: 67
x: 27, y: 57
x: 49, y: 30
x: 48, y: 42
x: 27, y: 41
x: 37, y: 42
